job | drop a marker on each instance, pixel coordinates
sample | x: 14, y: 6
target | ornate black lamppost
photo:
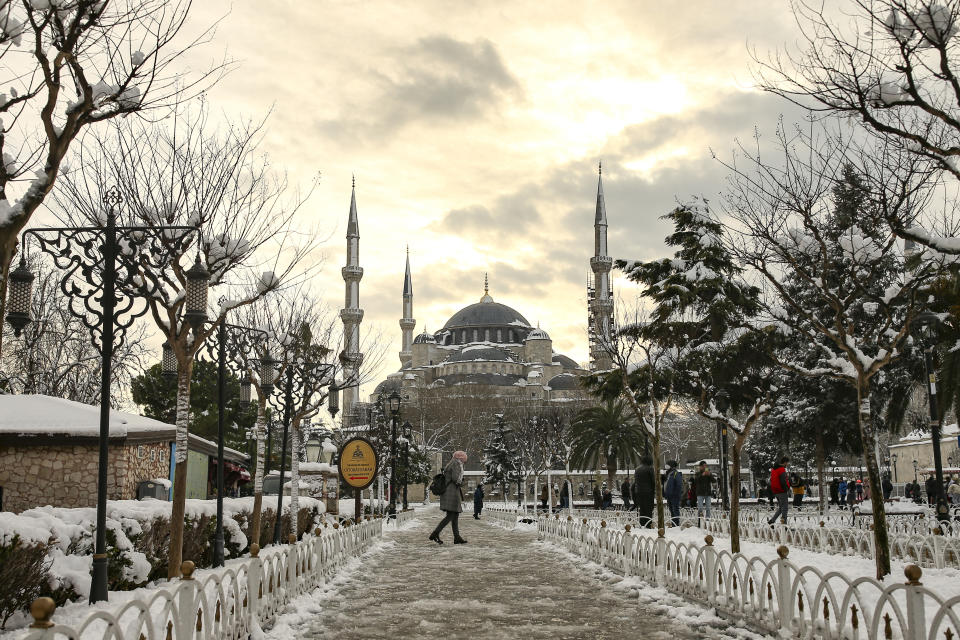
x: 233, y: 346
x: 407, y: 434
x: 722, y: 400
x: 393, y: 403
x: 303, y: 379
x: 105, y: 277
x: 893, y: 459
x: 927, y: 323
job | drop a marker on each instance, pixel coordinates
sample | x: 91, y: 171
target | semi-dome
x: 564, y: 382
x: 391, y: 384
x: 564, y: 361
x: 538, y: 334
x: 486, y: 314
x: 479, y: 352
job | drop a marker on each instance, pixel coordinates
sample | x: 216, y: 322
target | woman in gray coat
x: 452, y: 499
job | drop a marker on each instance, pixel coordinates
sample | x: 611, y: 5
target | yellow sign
x: 358, y: 463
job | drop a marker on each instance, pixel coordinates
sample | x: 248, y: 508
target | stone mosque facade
x: 486, y: 346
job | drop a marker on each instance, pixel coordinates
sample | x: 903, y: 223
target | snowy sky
x: 474, y: 131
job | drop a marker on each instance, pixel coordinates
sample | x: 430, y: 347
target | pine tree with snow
x: 499, y: 464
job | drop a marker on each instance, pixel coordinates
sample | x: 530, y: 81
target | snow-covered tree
x: 499, y: 459
x: 71, y: 64
x: 187, y: 171
x: 891, y: 66
x: 858, y: 298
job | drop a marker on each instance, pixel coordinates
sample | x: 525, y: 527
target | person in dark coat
x: 834, y: 491
x: 930, y: 485
x: 625, y: 491
x: 673, y: 491
x: 887, y: 487
x: 703, y: 480
x: 643, y: 490
x: 597, y: 497
x: 477, y: 501
x: 451, y: 502
x: 607, y: 500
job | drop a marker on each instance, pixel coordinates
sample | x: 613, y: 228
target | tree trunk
x: 821, y: 474
x: 738, y: 443
x: 175, y: 554
x: 869, y: 438
x: 258, y: 478
x: 658, y: 486
x: 295, y: 481
x: 612, y: 473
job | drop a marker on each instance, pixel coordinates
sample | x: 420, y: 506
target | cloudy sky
x: 474, y: 131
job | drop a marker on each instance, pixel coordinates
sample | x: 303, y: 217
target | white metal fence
x: 230, y: 603
x: 772, y: 594
x: 504, y: 516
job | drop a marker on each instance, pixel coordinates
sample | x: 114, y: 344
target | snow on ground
x: 502, y: 584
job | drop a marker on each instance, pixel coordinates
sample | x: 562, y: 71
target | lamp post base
x: 98, y: 583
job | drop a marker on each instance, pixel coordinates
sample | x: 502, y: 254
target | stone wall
x: 66, y: 475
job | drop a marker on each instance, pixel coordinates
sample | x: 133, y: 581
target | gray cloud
x: 438, y: 80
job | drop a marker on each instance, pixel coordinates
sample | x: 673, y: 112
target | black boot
x: 435, y: 537
x: 459, y: 540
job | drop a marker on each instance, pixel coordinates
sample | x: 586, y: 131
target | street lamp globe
x: 722, y: 401
x: 245, y: 390
x: 19, y: 297
x: 268, y: 373
x: 333, y: 400
x: 393, y: 401
x: 168, y: 363
x: 198, y: 279
x: 314, y: 449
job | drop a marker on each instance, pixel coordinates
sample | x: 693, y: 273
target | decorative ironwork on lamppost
x: 893, y: 459
x: 106, y: 278
x: 303, y: 379
x: 722, y: 400
x: 232, y: 348
x: 927, y: 324
x: 267, y: 367
x: 393, y: 404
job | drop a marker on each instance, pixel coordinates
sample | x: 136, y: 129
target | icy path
x: 503, y: 584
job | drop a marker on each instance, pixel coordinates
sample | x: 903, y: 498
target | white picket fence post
x: 186, y: 601
x: 916, y: 616
x: 627, y: 550
x: 784, y: 595
x: 254, y: 580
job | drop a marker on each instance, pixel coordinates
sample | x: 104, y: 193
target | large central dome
x: 483, y: 314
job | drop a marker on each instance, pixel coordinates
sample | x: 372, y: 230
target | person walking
x: 544, y: 496
x: 451, y: 501
x: 703, y: 481
x: 851, y: 494
x: 673, y: 490
x: 477, y: 501
x: 626, y: 492
x: 887, y: 487
x: 565, y: 494
x: 597, y: 497
x: 859, y: 486
x: 930, y: 485
x: 644, y: 479
x: 953, y: 492
x: 842, y: 489
x: 834, y: 491
x: 780, y: 485
x: 798, y: 490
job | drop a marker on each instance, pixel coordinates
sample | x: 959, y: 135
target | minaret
x: 600, y: 295
x: 351, y: 314
x: 407, y: 322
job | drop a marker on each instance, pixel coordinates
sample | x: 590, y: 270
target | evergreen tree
x: 156, y: 394
x: 498, y: 460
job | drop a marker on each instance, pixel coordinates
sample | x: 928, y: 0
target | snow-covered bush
x: 47, y: 551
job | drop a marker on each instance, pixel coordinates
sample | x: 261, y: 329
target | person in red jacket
x: 780, y: 486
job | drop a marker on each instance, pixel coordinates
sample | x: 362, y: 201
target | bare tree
x: 188, y: 171
x: 892, y: 66
x: 858, y: 299
x: 71, y: 64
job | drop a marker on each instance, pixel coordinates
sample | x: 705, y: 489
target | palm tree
x: 606, y: 433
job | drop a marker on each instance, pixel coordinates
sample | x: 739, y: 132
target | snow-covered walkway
x: 503, y: 584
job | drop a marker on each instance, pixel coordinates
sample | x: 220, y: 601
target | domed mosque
x: 488, y: 344
x: 486, y: 350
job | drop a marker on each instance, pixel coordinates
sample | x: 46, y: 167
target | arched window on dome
x: 486, y: 335
x: 512, y: 339
x: 475, y: 338
x: 499, y: 335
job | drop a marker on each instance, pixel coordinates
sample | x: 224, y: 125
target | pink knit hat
x: 460, y: 455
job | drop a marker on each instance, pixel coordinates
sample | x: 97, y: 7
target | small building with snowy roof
x: 49, y: 454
